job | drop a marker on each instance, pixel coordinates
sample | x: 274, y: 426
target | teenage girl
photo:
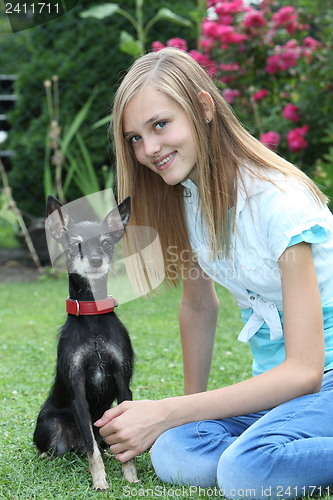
x: 260, y: 227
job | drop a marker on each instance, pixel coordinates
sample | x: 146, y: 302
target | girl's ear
x: 207, y: 103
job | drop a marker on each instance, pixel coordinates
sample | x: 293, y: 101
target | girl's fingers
x: 108, y: 416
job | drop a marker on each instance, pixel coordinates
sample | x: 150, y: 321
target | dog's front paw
x: 129, y: 471
x: 101, y: 485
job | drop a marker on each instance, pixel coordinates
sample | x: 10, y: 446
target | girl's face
x: 160, y: 134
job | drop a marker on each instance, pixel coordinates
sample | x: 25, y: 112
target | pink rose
x: 285, y: 58
x: 289, y: 58
x: 286, y: 17
x: 307, y: 52
x: 207, y: 44
x: 157, y: 46
x: 292, y: 44
x: 224, y: 33
x: 271, y: 139
x: 257, y: 96
x: 295, y: 139
x: 290, y: 112
x: 311, y: 43
x: 273, y: 64
x: 254, y: 19
x: 226, y: 19
x: 229, y: 7
x: 204, y: 61
x: 178, y: 43
x: 230, y: 94
x: 237, y: 38
x: 229, y: 67
x: 210, y: 29
x: 227, y: 79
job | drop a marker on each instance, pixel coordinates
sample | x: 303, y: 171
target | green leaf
x: 75, y: 125
x: 80, y: 178
x: 197, y: 15
x: 100, y: 11
x: 108, y: 176
x: 129, y: 45
x: 70, y: 169
x: 87, y: 166
x: 48, y: 183
x: 168, y: 15
x: 102, y: 122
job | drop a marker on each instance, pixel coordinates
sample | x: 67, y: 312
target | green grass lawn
x: 29, y: 318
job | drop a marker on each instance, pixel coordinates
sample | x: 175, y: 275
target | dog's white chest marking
x: 113, y: 352
x: 78, y: 358
x: 98, y: 376
x: 116, y: 354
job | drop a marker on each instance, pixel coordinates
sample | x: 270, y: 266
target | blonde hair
x: 223, y: 146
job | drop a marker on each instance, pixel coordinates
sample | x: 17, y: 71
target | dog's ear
x: 52, y: 204
x: 57, y: 218
x: 118, y: 218
x: 125, y: 210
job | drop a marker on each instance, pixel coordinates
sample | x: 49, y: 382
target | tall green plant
x: 67, y: 159
x: 128, y: 44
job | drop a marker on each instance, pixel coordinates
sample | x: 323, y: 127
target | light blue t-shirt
x: 268, y: 220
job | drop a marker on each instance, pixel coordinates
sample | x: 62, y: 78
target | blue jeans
x: 282, y: 453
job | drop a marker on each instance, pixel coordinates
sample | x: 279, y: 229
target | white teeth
x: 163, y: 162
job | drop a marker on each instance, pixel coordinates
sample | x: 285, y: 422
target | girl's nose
x: 152, y: 146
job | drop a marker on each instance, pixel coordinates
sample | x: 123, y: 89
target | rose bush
x: 295, y: 138
x: 273, y: 71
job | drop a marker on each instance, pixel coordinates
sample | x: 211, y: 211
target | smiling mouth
x: 165, y: 160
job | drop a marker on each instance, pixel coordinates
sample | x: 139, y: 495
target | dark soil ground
x: 18, y: 274
x: 17, y: 267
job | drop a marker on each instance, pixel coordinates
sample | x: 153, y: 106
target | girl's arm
x: 197, y: 320
x: 302, y: 371
x: 132, y: 427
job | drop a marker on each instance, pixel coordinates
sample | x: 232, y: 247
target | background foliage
x: 273, y: 60
x: 85, y: 55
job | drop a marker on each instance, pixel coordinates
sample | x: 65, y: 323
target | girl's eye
x: 160, y: 125
x: 135, y: 139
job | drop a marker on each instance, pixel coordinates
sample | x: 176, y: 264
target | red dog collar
x: 86, y: 308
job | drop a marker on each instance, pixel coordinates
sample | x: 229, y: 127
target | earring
x: 207, y: 120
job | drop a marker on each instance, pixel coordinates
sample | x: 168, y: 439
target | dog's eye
x: 106, y: 244
x: 76, y: 246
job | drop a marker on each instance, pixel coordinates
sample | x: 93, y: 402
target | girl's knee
x: 160, y: 450
x: 238, y: 476
x: 177, y: 459
x: 164, y: 456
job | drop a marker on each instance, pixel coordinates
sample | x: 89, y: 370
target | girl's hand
x: 132, y: 427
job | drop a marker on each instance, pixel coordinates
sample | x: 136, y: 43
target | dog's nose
x: 96, y: 261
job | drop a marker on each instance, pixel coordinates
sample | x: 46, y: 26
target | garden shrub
x: 273, y: 62
x: 84, y: 54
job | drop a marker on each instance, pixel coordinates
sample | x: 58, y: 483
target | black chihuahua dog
x: 95, y: 356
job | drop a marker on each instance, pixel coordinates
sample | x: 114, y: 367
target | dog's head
x: 88, y: 245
